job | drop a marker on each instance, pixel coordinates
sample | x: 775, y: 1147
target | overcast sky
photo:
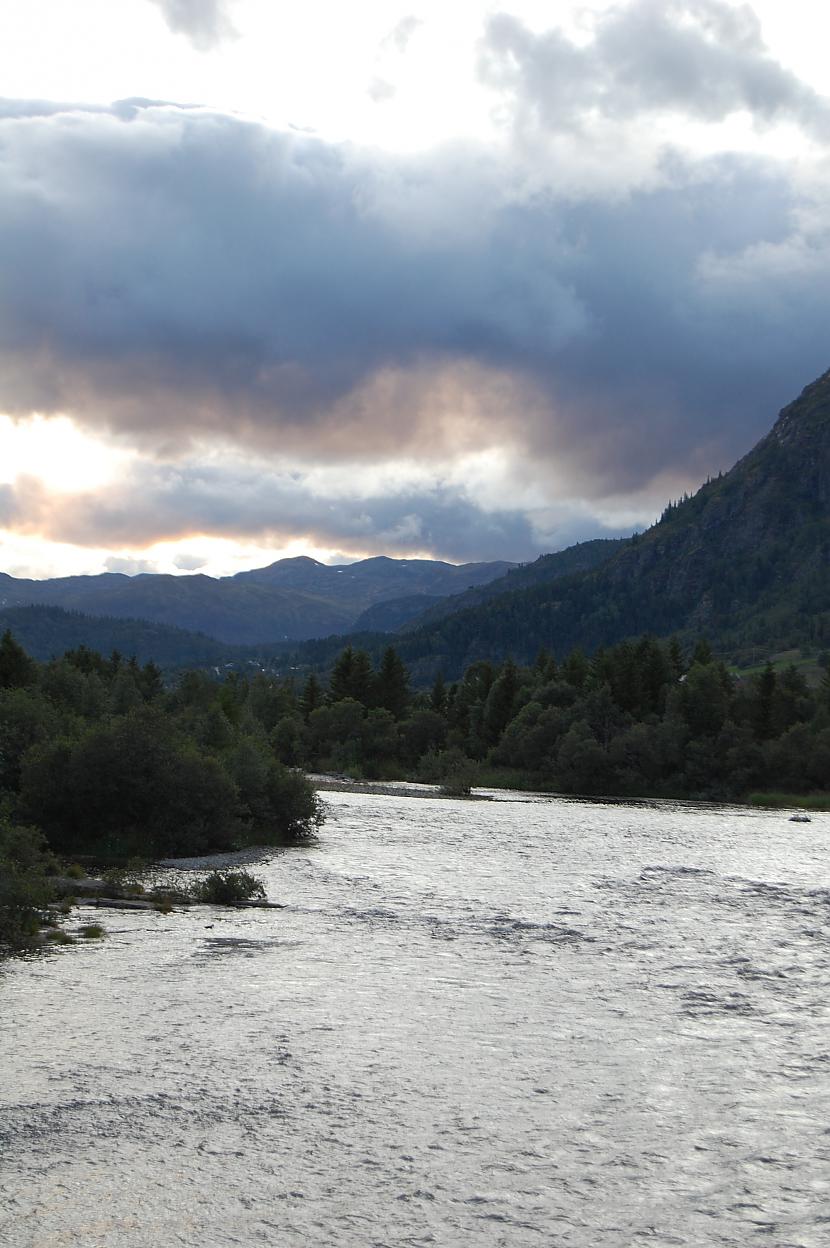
x: 388, y: 278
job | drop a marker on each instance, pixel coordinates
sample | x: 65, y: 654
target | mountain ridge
x: 289, y: 600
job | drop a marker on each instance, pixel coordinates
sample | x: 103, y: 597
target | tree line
x: 641, y: 718
x: 99, y: 759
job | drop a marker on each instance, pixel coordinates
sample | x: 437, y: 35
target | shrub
x: 24, y: 889
x: 458, y: 774
x: 225, y: 888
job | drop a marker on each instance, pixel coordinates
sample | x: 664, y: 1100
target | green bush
x: 24, y: 887
x: 225, y: 888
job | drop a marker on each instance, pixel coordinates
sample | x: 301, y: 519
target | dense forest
x: 636, y: 719
x: 99, y: 760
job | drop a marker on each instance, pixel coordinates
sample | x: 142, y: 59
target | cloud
x: 381, y: 91
x: 156, y: 503
x: 128, y: 566
x: 189, y: 563
x: 174, y: 275
x: 205, y: 22
x: 702, y: 59
x: 400, y: 35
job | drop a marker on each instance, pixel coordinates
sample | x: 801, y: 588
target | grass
x: 806, y: 664
x: 785, y: 801
x: 92, y: 931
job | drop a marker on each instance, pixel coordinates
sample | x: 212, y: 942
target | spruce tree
x: 392, y: 684
x: 311, y: 696
x: 16, y: 668
x: 438, y: 697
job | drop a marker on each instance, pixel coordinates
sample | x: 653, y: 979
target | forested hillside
x: 47, y: 632
x: 745, y: 561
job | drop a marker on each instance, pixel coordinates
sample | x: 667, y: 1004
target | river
x: 519, y: 1022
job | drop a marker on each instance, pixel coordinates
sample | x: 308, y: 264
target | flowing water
x: 518, y: 1022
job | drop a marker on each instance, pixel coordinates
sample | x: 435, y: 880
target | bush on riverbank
x: 25, y: 891
x: 226, y: 888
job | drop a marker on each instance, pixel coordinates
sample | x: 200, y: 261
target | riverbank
x: 783, y: 802
x: 790, y: 801
x: 389, y: 788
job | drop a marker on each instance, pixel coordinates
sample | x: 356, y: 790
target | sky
x: 470, y: 281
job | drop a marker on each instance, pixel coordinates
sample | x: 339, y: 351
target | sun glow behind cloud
x: 55, y: 451
x: 456, y: 324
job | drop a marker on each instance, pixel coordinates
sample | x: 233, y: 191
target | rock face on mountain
x: 292, y: 599
x: 744, y: 561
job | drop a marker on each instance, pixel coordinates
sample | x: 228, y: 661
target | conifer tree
x: 352, y: 677
x: 498, y: 709
x: 16, y: 668
x: 438, y: 697
x: 340, y: 680
x: 392, y: 684
x: 702, y: 652
x: 311, y: 696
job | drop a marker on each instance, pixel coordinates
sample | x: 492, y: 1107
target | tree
x: 311, y: 696
x: 499, y: 707
x: 765, y: 692
x: 27, y: 718
x: 16, y: 668
x: 702, y: 652
x: 421, y: 732
x: 129, y: 786
x: 575, y: 669
x: 438, y: 696
x: 392, y: 684
x: 704, y: 700
x: 352, y: 677
x: 24, y: 887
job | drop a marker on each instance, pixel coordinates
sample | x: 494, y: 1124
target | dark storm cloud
x: 704, y: 59
x: 171, y: 273
x: 167, y: 503
x: 204, y: 22
x: 183, y: 268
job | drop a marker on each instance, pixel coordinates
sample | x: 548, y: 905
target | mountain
x: 48, y: 632
x: 395, y: 614
x: 373, y: 580
x: 745, y: 561
x: 543, y: 571
x: 292, y: 599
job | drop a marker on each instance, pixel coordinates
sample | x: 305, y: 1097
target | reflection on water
x: 507, y: 1023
